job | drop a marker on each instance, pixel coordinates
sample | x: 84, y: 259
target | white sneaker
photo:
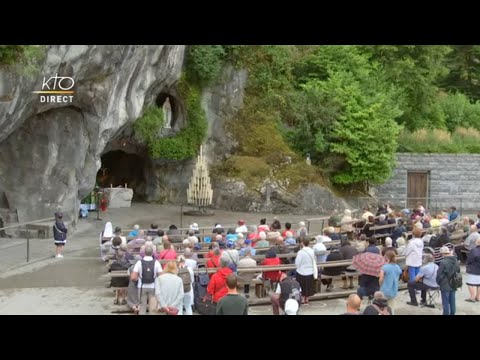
x: 59, y: 256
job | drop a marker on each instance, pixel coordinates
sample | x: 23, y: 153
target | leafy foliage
x: 24, y: 57
x: 463, y: 64
x: 188, y: 140
x: 415, y: 70
x: 440, y: 141
x: 204, y: 63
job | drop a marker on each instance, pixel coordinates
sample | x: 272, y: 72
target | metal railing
x: 433, y: 204
x: 26, y: 231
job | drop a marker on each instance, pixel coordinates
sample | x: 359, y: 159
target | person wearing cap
x: 218, y: 229
x: 446, y: 269
x: 241, y: 227
x: 424, y: 280
x: 59, y: 234
x: 194, y: 227
x: 291, y: 307
x: 231, y: 255
x: 247, y: 245
x: 283, y: 292
x: 379, y: 305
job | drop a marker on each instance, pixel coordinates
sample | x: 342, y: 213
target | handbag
x: 170, y: 310
x: 315, y: 267
x: 203, y: 278
x: 405, y: 275
x: 207, y: 306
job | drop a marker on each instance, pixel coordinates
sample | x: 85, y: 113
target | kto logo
x: 57, y: 89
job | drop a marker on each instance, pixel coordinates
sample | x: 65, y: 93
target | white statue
x: 308, y: 161
x: 167, y: 113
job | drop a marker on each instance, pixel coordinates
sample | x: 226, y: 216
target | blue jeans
x: 412, y: 273
x: 448, y: 302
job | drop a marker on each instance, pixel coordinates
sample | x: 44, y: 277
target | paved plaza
x: 76, y: 284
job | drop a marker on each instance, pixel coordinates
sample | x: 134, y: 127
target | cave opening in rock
x: 120, y: 168
x: 160, y: 102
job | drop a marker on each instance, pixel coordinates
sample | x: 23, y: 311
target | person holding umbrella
x: 369, y: 265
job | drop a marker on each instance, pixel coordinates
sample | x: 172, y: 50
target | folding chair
x: 432, y: 295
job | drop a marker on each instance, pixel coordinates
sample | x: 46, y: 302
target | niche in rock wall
x: 170, y: 109
x: 120, y: 168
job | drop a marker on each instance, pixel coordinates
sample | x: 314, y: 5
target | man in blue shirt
x: 426, y: 279
x: 453, y: 214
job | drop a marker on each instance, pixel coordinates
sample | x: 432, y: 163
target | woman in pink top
x: 168, y: 253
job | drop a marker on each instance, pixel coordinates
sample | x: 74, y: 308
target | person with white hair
x: 345, y: 223
x: 193, y: 240
x: 240, y: 240
x: 189, y: 259
x: 289, y: 239
x: 302, y: 230
x: 388, y: 246
x: 134, y: 232
x: 425, y: 279
x: 319, y: 249
x: 263, y: 240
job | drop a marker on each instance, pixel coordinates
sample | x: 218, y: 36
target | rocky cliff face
x: 50, y: 152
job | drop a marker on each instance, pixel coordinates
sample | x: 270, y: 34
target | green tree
x: 415, y: 70
x: 364, y: 132
x: 464, y: 65
x: 204, y: 63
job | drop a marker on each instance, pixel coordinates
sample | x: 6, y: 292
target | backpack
x: 455, y: 281
x: 184, y: 274
x: 383, y: 311
x: 148, y: 271
x: 295, y: 295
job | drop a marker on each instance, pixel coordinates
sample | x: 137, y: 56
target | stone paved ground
x: 76, y: 284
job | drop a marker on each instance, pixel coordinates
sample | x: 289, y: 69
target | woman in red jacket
x: 214, y: 260
x: 271, y: 259
x: 217, y: 287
